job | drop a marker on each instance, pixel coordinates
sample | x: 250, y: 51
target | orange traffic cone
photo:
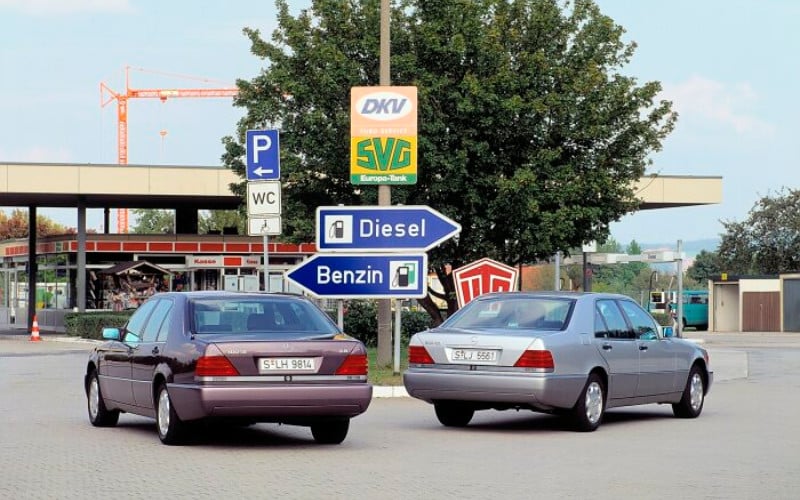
x: 35, y: 330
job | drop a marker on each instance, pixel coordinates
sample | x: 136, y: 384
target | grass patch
x: 384, y: 375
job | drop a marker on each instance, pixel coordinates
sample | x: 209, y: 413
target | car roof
x: 223, y: 294
x: 549, y: 294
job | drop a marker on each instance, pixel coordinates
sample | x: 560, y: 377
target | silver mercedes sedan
x: 569, y: 353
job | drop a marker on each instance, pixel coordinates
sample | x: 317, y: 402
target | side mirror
x: 667, y: 331
x: 111, y: 334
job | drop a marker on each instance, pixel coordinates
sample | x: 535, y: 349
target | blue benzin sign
x: 389, y: 276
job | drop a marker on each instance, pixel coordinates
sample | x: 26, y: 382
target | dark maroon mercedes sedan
x: 232, y: 357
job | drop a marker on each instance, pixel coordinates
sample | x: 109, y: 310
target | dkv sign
x: 483, y: 276
x: 383, y: 135
x: 384, y: 106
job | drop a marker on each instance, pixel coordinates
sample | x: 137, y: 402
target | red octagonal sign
x: 483, y: 276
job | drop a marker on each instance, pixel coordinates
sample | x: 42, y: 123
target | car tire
x: 691, y: 403
x: 99, y: 415
x: 331, y: 431
x: 171, y: 430
x: 588, y: 411
x: 453, y: 414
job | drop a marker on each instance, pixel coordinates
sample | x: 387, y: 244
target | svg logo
x: 381, y: 154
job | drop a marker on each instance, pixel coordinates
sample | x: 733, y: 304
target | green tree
x: 706, y: 265
x: 219, y: 220
x: 618, y: 278
x: 634, y: 248
x: 153, y: 221
x: 768, y: 241
x: 16, y: 225
x: 159, y: 221
x: 610, y: 246
x: 529, y: 134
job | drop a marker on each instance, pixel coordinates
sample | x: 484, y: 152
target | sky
x: 729, y: 66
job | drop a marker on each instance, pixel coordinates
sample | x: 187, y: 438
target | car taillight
x: 536, y: 359
x: 418, y: 355
x: 354, y: 364
x: 214, y: 364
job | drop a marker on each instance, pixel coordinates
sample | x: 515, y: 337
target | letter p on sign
x: 263, y: 155
x: 260, y: 143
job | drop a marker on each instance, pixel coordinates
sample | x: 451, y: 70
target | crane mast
x: 107, y: 95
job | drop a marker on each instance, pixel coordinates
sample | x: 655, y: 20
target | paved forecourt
x: 742, y: 446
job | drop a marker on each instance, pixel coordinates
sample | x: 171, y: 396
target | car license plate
x: 271, y: 365
x: 473, y: 355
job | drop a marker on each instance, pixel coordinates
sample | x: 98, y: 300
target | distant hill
x: 690, y: 248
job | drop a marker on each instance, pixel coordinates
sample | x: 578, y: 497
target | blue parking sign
x: 263, y: 155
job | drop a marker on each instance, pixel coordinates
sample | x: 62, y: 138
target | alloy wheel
x: 94, y: 398
x: 696, y: 391
x: 163, y: 412
x: 594, y: 402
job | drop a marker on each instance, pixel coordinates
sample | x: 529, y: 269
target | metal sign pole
x: 679, y: 323
x: 340, y: 314
x: 266, y: 263
x: 397, y: 329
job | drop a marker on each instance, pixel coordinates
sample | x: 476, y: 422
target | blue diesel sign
x: 382, y: 229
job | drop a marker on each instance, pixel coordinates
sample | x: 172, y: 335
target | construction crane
x: 107, y: 95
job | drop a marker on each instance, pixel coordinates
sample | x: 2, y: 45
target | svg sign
x: 383, y: 135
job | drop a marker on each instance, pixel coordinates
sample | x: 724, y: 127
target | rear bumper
x: 540, y: 390
x: 270, y: 402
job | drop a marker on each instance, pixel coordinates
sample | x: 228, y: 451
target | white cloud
x: 37, y: 155
x: 718, y: 102
x: 56, y: 7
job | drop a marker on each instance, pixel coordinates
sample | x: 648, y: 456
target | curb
x: 386, y: 391
x: 70, y: 340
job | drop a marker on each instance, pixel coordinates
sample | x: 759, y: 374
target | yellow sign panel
x: 383, y: 160
x: 383, y: 135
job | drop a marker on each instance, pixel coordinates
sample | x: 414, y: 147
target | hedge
x: 361, y: 321
x: 90, y: 325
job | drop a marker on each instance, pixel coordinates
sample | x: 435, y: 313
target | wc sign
x: 383, y: 135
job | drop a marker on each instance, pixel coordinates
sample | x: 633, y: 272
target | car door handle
x: 607, y: 347
x: 642, y: 347
x: 155, y: 350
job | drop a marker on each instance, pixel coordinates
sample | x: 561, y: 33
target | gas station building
x: 198, y: 262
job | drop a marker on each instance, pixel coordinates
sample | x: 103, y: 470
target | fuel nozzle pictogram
x: 336, y: 230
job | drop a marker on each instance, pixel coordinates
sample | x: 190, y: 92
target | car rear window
x: 540, y: 313
x: 258, y: 314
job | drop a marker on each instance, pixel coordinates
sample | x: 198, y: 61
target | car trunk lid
x: 284, y: 357
x: 501, y: 347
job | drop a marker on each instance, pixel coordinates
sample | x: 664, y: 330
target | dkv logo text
x: 384, y: 106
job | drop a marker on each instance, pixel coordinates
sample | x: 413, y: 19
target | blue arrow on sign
x: 388, y: 276
x: 382, y: 228
x: 263, y: 155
